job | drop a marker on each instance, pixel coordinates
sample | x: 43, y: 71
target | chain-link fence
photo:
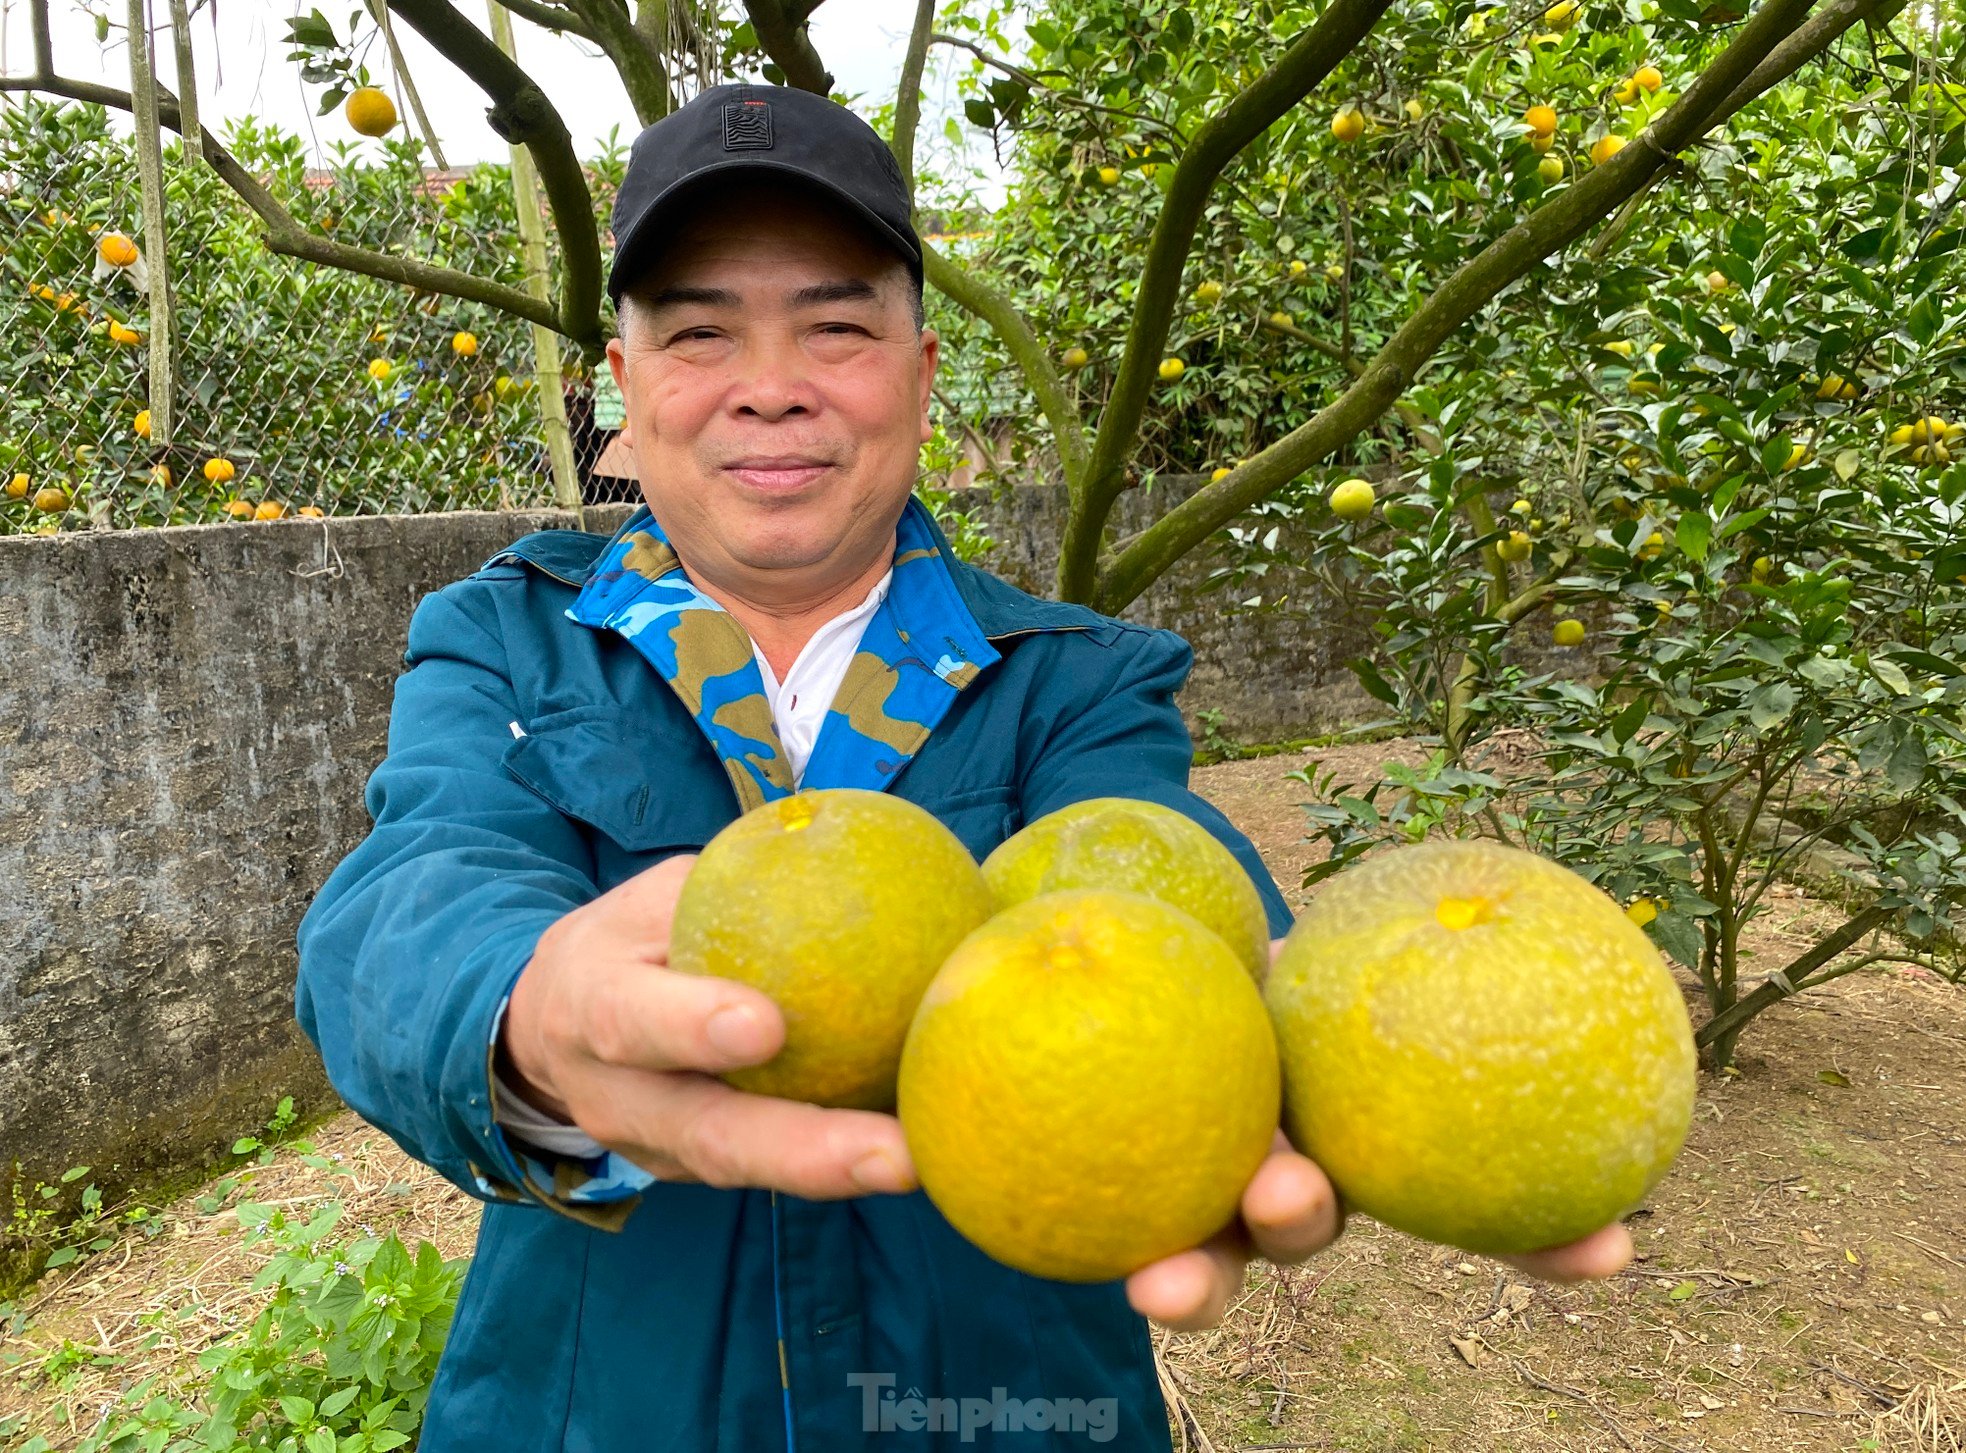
x: 297, y: 388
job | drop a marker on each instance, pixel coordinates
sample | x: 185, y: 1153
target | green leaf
x: 1678, y: 934
x: 1891, y: 674
x: 1833, y: 1077
x: 73, y: 1173
x: 1924, y: 319
x: 1770, y: 705
x: 297, y: 1409
x: 980, y: 113
x: 1907, y: 765
x: 1775, y: 453
x: 1846, y: 464
x: 1694, y: 533
x: 1681, y: 1292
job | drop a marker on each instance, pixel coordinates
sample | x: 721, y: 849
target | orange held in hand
x: 1480, y: 1048
x: 1089, y: 1085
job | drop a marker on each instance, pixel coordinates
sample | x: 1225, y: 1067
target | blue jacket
x: 541, y: 751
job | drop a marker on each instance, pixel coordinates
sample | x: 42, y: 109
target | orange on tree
x: 17, y: 487
x: 1171, y: 369
x: 1074, y: 358
x: 370, y: 111
x: 51, y: 499
x: 1109, y: 176
x: 1717, y: 282
x: 118, y: 333
x: 1606, y: 147
x: 1562, y: 15
x: 1221, y: 472
x: 1348, y: 123
x: 1568, y: 633
x: 464, y: 344
x: 1540, y: 119
x: 239, y: 509
x: 1208, y: 292
x: 1648, y: 78
x: 269, y: 510
x: 1280, y: 319
x: 1550, y: 169
x: 161, y: 474
x: 313, y: 512
x: 116, y: 249
x: 380, y: 369
x: 142, y: 423
x: 1352, y: 500
x: 219, y: 469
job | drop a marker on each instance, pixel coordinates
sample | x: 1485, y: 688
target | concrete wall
x: 187, y: 720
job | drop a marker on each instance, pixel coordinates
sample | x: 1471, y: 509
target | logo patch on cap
x: 747, y: 126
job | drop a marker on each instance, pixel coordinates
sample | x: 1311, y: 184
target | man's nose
x: 773, y: 382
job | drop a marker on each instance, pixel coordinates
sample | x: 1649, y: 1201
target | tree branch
x: 1216, y: 143
x: 781, y: 31
x: 969, y: 292
x: 635, y: 57
x: 1793, y: 978
x: 549, y: 17
x: 1544, y: 231
x: 288, y: 238
x: 521, y: 113
x: 908, y: 95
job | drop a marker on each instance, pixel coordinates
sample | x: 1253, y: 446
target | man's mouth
x: 778, y: 473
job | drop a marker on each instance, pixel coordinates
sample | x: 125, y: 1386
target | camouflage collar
x: 917, y: 653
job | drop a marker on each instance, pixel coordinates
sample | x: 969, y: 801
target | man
x: 667, y: 1263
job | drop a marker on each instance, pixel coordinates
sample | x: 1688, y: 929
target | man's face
x: 777, y: 393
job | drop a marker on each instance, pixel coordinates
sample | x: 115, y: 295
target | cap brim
x: 633, y: 252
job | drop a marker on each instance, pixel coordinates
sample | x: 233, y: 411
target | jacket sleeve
x: 411, y: 948
x: 1118, y: 733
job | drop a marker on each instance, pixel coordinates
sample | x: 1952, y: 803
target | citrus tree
x: 1687, y: 510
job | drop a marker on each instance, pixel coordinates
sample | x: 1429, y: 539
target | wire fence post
x: 545, y: 342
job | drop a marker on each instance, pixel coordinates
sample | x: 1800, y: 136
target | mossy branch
x: 968, y: 291
x: 634, y: 54
x: 781, y: 30
x: 1544, y: 231
x: 521, y: 113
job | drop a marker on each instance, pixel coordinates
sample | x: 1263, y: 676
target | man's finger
x: 1290, y: 1208
x: 1601, y: 1254
x: 725, y: 1137
x: 658, y: 1019
x: 1191, y: 1290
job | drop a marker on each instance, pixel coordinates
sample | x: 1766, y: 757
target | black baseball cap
x: 734, y: 130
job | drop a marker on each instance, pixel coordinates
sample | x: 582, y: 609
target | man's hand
x: 602, y: 1032
x: 1290, y: 1212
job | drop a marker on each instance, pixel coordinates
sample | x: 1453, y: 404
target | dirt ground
x: 1801, y: 1282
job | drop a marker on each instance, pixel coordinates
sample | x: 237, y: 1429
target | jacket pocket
x: 613, y: 771
x: 982, y: 817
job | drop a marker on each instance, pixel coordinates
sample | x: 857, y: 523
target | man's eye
x: 841, y: 328
x: 694, y: 335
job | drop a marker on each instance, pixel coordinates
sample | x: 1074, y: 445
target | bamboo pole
x: 187, y: 82
x: 150, y: 181
x: 545, y: 342
x: 380, y: 10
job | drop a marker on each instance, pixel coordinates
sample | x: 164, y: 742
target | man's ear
x: 618, y: 365
x: 931, y: 356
